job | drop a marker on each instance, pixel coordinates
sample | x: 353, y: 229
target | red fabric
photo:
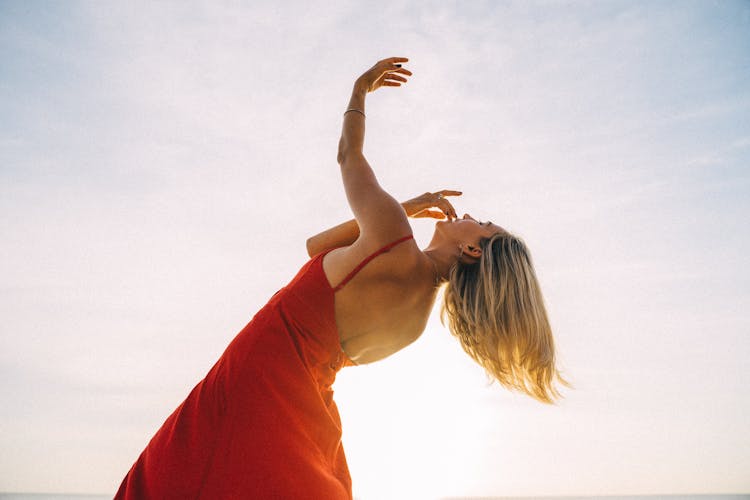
x: 262, y: 423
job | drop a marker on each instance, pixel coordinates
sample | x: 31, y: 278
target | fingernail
x: 398, y: 65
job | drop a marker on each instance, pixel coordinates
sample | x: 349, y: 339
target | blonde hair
x: 496, y: 310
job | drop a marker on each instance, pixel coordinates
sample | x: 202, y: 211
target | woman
x: 263, y: 423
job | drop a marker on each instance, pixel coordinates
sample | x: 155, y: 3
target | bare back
x: 386, y: 305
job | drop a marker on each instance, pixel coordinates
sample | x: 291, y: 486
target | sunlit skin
x: 387, y: 304
x: 455, y: 234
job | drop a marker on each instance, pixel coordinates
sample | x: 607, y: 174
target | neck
x: 443, y: 259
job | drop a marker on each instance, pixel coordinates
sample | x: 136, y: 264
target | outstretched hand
x: 385, y: 73
x: 422, y: 205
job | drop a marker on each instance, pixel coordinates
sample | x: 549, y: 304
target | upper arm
x: 379, y: 215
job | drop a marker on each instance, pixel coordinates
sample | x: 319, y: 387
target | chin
x: 441, y: 225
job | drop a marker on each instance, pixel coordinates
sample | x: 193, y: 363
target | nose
x: 467, y: 216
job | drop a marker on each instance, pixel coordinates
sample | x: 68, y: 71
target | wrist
x: 359, y: 89
x: 408, y: 207
x: 357, y: 100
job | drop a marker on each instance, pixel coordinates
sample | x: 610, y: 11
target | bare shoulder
x: 396, y: 262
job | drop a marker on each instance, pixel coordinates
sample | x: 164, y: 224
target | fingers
x: 393, y: 80
x: 393, y: 64
x: 394, y: 60
x: 437, y: 200
x: 433, y: 214
x: 386, y: 73
x: 443, y: 204
x: 393, y: 76
x: 403, y: 71
x: 447, y: 208
x: 390, y: 79
x: 448, y: 192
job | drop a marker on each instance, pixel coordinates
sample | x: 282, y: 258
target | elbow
x: 347, y: 152
x: 309, y: 245
x: 342, y: 152
x: 349, y: 157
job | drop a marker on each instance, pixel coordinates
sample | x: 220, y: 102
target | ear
x: 473, y: 251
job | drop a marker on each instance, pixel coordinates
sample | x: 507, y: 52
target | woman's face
x: 468, y: 229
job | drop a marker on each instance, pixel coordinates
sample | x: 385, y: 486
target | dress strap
x: 368, y: 259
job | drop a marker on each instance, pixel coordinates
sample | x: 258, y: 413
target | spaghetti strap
x: 368, y: 259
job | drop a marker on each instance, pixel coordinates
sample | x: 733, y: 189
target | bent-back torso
x: 385, y: 306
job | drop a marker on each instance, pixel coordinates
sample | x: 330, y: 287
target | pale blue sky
x: 161, y: 166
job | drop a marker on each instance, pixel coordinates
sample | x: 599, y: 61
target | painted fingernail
x: 398, y: 65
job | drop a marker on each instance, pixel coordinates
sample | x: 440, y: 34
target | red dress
x: 262, y: 424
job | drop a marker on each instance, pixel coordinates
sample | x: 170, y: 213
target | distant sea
x: 64, y: 496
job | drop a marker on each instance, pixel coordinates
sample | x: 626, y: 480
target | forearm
x: 339, y: 236
x: 353, y: 130
x: 369, y: 202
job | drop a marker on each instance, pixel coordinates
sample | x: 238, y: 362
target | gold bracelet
x: 357, y: 110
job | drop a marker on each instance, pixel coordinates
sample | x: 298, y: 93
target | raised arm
x: 380, y: 218
x: 420, y: 206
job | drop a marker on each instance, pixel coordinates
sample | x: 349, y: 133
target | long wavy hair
x: 496, y: 310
